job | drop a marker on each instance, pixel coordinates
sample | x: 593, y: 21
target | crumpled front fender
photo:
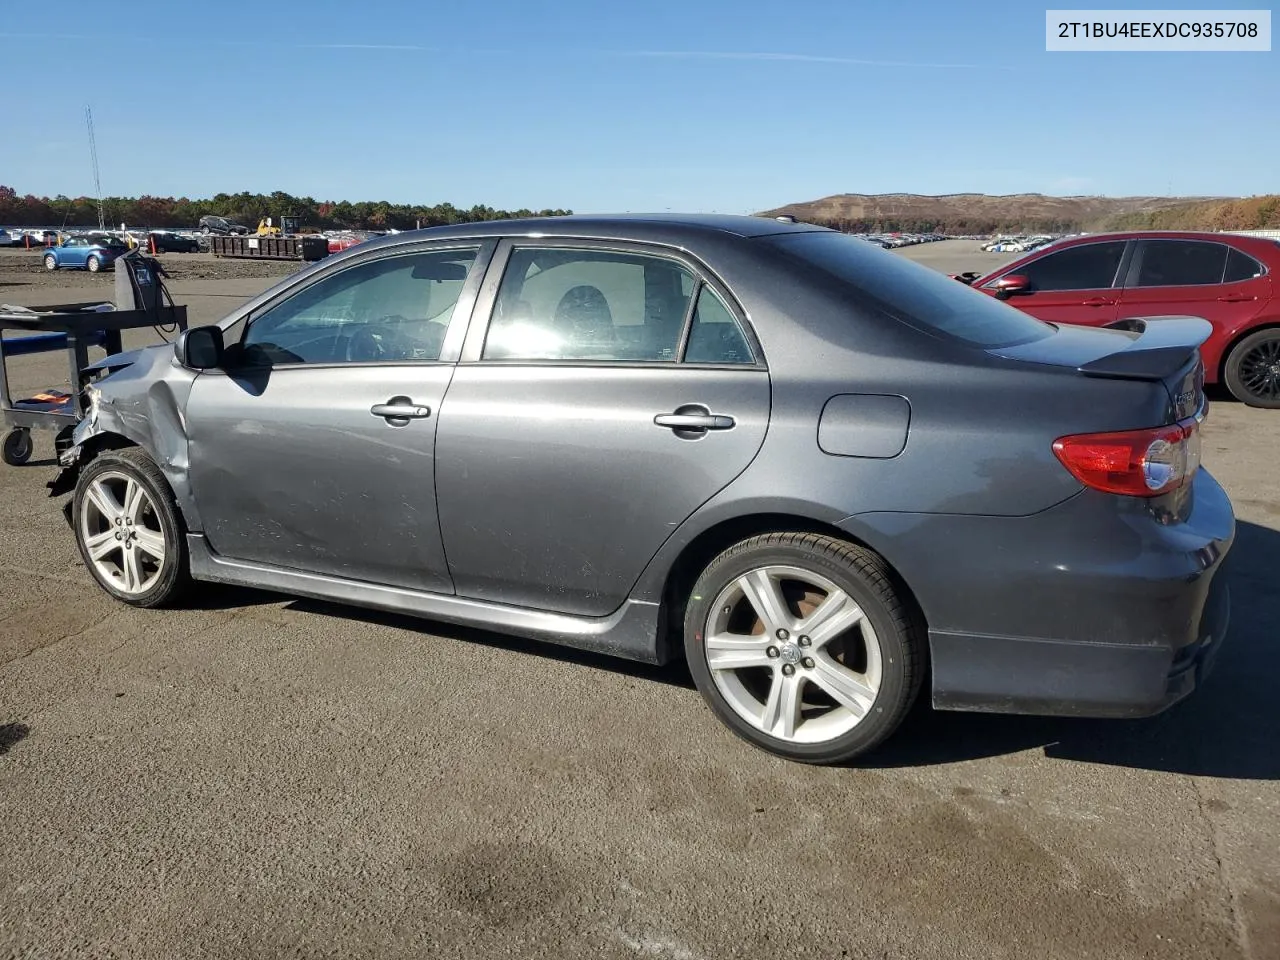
x: 141, y: 403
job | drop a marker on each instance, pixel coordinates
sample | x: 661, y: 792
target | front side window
x: 396, y: 308
x: 1181, y: 263
x: 1091, y: 266
x: 582, y: 304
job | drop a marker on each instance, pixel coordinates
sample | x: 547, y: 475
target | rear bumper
x: 1098, y: 607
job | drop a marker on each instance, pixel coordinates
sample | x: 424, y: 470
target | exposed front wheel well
x: 713, y: 541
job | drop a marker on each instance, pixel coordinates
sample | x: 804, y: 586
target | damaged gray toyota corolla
x: 819, y: 472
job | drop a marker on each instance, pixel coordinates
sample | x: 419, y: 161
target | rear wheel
x: 800, y: 644
x: 1253, y: 369
x: 50, y: 262
x: 93, y: 264
x: 128, y: 529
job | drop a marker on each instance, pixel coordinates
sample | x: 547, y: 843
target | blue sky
x: 601, y: 106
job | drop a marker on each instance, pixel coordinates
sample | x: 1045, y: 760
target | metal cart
x: 141, y: 300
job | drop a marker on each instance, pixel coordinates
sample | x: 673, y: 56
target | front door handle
x: 398, y: 411
x: 1235, y: 298
x: 1096, y: 302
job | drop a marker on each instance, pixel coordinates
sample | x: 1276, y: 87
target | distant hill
x: 981, y: 213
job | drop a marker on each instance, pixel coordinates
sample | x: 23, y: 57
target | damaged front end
x: 138, y: 401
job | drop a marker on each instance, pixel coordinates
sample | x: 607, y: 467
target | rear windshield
x: 914, y: 293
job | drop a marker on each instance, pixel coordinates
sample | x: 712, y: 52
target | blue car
x: 85, y: 253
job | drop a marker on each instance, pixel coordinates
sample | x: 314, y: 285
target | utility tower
x: 93, y: 155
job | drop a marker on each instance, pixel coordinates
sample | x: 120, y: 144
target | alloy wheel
x: 1260, y: 370
x: 121, y: 532
x: 793, y: 654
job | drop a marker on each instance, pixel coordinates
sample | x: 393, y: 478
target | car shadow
x: 674, y: 674
x: 1227, y: 728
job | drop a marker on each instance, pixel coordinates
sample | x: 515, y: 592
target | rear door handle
x: 398, y: 411
x: 1096, y: 302
x: 1235, y: 298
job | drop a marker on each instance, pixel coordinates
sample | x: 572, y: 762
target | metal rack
x: 75, y: 327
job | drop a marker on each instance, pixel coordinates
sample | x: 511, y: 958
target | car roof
x: 656, y: 227
x: 1156, y: 235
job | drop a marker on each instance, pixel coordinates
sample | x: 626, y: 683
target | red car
x: 1227, y: 279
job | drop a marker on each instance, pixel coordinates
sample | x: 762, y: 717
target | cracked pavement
x: 268, y: 777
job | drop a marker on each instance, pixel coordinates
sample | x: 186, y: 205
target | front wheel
x: 1253, y: 369
x: 50, y: 262
x: 800, y: 645
x: 129, y: 530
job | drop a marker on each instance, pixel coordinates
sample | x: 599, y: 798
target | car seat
x: 584, y: 319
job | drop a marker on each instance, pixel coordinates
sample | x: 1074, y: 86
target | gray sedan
x: 825, y: 476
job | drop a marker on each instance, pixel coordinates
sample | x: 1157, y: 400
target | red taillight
x: 1136, y: 463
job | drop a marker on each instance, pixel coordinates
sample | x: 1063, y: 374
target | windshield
x: 912, y: 292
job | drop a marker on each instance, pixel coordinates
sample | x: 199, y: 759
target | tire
x: 50, y: 262
x: 93, y: 264
x: 154, y: 582
x: 871, y: 649
x: 17, y: 447
x: 1252, y: 370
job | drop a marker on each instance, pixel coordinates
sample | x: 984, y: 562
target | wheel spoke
x: 765, y: 596
x: 150, y: 541
x: 845, y: 687
x: 781, y: 713
x: 729, y: 652
x: 101, y: 544
x: 103, y: 501
x: 130, y: 570
x: 135, y: 500
x: 836, y: 614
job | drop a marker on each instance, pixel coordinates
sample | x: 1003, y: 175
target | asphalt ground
x: 257, y: 776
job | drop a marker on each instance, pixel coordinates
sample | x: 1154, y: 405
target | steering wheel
x: 379, y: 340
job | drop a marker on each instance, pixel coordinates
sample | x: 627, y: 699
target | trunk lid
x: 1164, y: 349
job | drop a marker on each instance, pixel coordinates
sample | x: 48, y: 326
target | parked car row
x: 892, y: 241
x: 1020, y: 244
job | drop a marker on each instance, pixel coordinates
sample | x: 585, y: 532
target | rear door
x: 1197, y: 278
x: 1076, y: 284
x: 612, y: 391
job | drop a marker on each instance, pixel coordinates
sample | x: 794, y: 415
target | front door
x: 1077, y: 284
x: 612, y: 394
x: 315, y: 449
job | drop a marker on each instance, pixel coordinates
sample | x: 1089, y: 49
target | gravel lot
x: 265, y: 777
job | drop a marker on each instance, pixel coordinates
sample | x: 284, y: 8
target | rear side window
x: 1241, y: 266
x: 715, y: 336
x: 1181, y: 263
x: 911, y: 292
x: 1091, y: 266
x: 557, y: 303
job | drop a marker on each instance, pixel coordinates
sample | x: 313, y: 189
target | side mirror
x: 199, y: 348
x: 1011, y: 284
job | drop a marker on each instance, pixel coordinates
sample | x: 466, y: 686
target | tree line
x: 146, y: 211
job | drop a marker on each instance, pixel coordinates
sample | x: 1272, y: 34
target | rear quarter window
x: 913, y: 293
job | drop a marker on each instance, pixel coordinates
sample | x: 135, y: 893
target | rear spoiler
x: 1162, y: 347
